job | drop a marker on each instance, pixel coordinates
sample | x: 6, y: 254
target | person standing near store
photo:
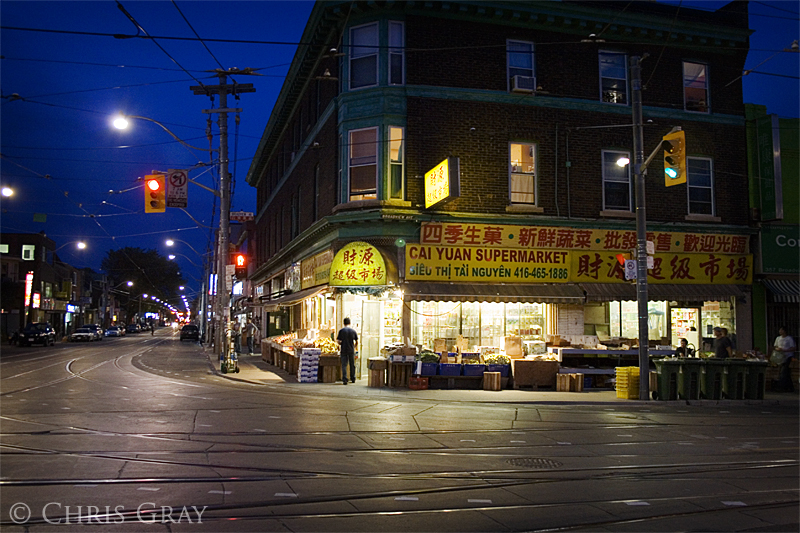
x: 347, y: 339
x: 237, y: 337
x: 683, y: 350
x: 249, y: 333
x: 722, y: 345
x: 784, y: 344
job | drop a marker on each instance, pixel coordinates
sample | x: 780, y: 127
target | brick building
x: 529, y: 102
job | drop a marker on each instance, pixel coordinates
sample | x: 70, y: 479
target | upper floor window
x: 520, y: 66
x: 613, y: 77
x: 28, y: 251
x: 3, y: 248
x: 363, y: 164
x: 616, y: 181
x: 522, y: 185
x: 695, y: 87
x: 364, y: 56
x: 396, y: 53
x: 700, y: 186
x: 396, y: 162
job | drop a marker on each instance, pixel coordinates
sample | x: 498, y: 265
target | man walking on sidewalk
x: 347, y: 338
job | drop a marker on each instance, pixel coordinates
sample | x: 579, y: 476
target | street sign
x: 630, y: 269
x: 651, y: 262
x: 651, y: 247
x: 242, y: 216
x: 177, y: 188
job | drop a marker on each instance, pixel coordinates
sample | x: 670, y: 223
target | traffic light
x: 674, y: 145
x: 155, y: 193
x: 240, y: 265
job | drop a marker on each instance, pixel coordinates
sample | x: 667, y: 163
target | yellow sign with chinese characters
x: 442, y: 182
x: 486, y: 264
x: 542, y: 237
x: 358, y: 264
x: 316, y: 269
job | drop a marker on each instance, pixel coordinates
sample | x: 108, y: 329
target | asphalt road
x: 138, y: 434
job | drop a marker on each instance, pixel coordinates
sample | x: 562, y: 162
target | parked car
x: 133, y: 328
x: 38, y: 333
x: 83, y: 334
x: 115, y: 331
x: 191, y: 332
x: 96, y: 329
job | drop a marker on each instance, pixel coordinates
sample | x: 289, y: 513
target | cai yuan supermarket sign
x: 487, y: 264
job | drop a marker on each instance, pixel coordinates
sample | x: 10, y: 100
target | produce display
x: 326, y: 344
x: 285, y: 338
x: 496, y: 359
x: 427, y: 356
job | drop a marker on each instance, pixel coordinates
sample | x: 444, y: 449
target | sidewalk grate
x: 532, y: 462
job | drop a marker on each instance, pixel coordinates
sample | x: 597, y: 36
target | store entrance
x: 685, y: 324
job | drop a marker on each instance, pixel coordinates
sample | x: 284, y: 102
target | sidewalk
x: 253, y: 370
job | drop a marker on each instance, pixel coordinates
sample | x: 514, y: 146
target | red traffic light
x: 240, y: 260
x: 153, y: 185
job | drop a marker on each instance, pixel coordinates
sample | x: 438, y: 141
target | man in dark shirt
x: 722, y: 345
x: 347, y: 338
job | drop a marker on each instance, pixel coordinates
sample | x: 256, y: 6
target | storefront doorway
x: 685, y: 324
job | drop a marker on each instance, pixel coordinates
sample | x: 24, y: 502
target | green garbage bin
x: 669, y: 376
x: 712, y: 378
x: 734, y: 379
x: 756, y: 380
x: 691, y: 375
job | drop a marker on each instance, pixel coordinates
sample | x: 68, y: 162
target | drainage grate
x: 532, y: 462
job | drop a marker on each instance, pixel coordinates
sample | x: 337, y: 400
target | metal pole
x: 641, y: 228
x: 224, y: 214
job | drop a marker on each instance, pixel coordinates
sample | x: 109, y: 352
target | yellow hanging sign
x: 358, y: 264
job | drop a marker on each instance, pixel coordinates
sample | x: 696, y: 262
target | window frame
x: 605, y: 179
x: 350, y: 166
x: 391, y: 163
x: 375, y: 55
x: 508, y: 60
x: 601, y: 77
x: 532, y: 174
x: 690, y: 186
x: 396, y: 50
x: 707, y: 109
x: 28, y: 252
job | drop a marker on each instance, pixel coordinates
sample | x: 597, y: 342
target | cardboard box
x: 462, y: 344
x: 514, y: 347
x: 440, y: 345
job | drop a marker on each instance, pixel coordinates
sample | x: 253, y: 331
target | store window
x: 695, y: 87
x: 396, y: 53
x: 624, y: 320
x: 613, y: 77
x: 482, y: 323
x: 520, y: 63
x: 364, y: 56
x: 523, y: 173
x: 363, y: 164
x: 700, y: 186
x: 616, y: 182
x: 396, y: 162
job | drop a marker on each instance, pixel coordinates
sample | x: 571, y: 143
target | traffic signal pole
x: 222, y: 308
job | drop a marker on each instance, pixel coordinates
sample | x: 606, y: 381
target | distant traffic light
x: 240, y: 265
x: 155, y: 193
x: 674, y: 145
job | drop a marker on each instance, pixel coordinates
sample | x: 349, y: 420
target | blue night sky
x: 63, y: 158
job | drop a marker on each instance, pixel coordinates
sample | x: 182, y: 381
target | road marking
x: 264, y: 430
x: 285, y: 495
x: 624, y: 435
x: 565, y: 443
x: 479, y: 501
x: 150, y: 489
x: 735, y: 504
x: 406, y: 499
x: 220, y: 492
x: 274, y: 417
x: 212, y: 411
x: 518, y: 441
x: 397, y: 438
x: 636, y: 502
x: 467, y: 440
x: 67, y: 408
x: 87, y: 486
x: 205, y: 425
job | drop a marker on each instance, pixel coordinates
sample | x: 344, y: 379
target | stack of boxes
x: 308, y: 369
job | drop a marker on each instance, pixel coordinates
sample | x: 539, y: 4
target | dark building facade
x: 530, y: 105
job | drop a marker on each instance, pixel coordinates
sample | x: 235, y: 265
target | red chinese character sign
x: 358, y: 265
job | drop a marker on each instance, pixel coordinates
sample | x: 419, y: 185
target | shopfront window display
x: 483, y: 323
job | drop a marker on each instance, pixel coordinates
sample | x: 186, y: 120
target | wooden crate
x: 330, y: 374
x: 377, y: 378
x: 400, y: 374
x: 534, y: 374
x: 576, y: 382
x: 562, y: 382
x: 491, y: 381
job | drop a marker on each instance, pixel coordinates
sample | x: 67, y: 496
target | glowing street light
x: 7, y: 192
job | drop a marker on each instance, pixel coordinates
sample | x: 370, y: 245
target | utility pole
x: 223, y: 89
x: 639, y: 170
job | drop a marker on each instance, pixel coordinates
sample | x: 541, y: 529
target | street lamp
x: 80, y: 245
x: 121, y: 122
x: 173, y: 256
x: 171, y: 242
x: 7, y: 192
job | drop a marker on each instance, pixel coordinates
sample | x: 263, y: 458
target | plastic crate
x: 503, y: 369
x: 449, y: 369
x: 474, y: 370
x: 428, y: 369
